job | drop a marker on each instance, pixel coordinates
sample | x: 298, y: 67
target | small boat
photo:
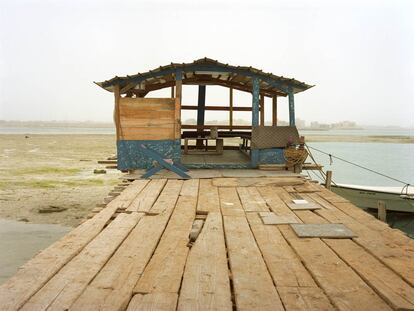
x: 395, y: 198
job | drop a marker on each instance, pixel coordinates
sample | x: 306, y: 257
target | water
x: 20, y: 241
x: 56, y: 130
x: 396, y: 160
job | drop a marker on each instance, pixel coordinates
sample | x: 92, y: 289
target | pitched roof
x: 205, y: 71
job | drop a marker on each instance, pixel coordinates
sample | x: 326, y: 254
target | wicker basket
x: 295, y: 156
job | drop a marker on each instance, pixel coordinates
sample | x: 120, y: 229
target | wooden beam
x: 178, y: 90
x: 127, y: 88
x: 222, y: 108
x: 262, y: 113
x: 291, y: 108
x: 117, y: 119
x: 172, y: 92
x: 225, y: 127
x: 274, y: 110
x: 201, y: 104
x: 231, y: 109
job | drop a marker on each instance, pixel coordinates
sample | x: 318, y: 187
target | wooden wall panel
x: 147, y: 118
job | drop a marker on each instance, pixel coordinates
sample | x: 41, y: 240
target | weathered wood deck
x: 143, y: 258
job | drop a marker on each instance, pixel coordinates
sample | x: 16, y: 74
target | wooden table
x: 200, y: 141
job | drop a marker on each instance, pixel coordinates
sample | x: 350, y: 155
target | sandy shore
x: 45, y: 171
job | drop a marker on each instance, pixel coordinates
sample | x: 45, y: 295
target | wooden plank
x: 389, y: 246
x: 251, y: 199
x: 275, y: 203
x: 206, y: 284
x: 112, y: 287
x: 165, y: 269
x: 229, y: 202
x: 262, y: 110
x: 144, y: 201
x: 284, y: 266
x: 253, y: 285
x: 37, y: 271
x: 256, y: 181
x: 117, y: 112
x: 144, y: 133
x: 147, y: 103
x: 153, y: 301
x: 390, y: 286
x: 345, y: 289
x: 208, y: 198
x: 304, y: 298
x: 63, y: 289
x: 279, y: 220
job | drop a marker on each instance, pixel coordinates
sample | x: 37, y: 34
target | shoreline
x: 389, y: 139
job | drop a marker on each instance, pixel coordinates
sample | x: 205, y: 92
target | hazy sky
x: 359, y: 54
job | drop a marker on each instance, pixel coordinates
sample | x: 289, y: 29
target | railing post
x: 328, y: 180
x: 382, y: 211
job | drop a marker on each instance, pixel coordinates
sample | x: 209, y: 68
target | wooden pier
x: 219, y: 244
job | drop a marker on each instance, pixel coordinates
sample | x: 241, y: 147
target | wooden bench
x: 200, y: 141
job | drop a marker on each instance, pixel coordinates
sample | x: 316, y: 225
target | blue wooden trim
x: 254, y: 154
x: 130, y: 156
x: 201, y: 109
x: 271, y: 156
x: 178, y: 75
x: 218, y: 166
x: 152, y: 171
x: 281, y: 86
x: 291, y: 107
x: 157, y: 157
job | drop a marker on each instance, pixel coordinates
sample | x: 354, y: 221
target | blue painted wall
x: 130, y: 157
x: 271, y: 156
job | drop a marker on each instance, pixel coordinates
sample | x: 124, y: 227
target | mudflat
x: 41, y: 173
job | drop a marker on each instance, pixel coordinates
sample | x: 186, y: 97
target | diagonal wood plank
x: 60, y: 292
x: 144, y: 201
x: 206, y: 284
x: 253, y: 285
x: 165, y: 269
x: 284, y: 265
x: 345, y: 289
x: 251, y: 199
x: 112, y: 287
x: 37, y: 271
x: 390, y: 286
x: 208, y: 198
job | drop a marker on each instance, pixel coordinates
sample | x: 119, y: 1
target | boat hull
x: 367, y: 198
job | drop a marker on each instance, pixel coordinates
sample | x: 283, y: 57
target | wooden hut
x: 156, y: 122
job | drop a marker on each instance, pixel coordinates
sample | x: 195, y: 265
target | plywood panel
x: 147, y: 118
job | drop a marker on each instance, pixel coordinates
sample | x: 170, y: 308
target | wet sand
x: 21, y: 241
x: 45, y: 171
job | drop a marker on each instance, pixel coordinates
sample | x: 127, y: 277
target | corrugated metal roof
x: 205, y: 71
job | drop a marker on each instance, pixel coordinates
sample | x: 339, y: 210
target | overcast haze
x: 359, y: 54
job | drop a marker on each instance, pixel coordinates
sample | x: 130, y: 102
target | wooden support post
x: 117, y: 118
x: 201, y: 109
x: 231, y: 109
x: 291, y: 107
x: 328, y: 180
x: 172, y: 92
x: 382, y: 211
x: 262, y: 113
x: 178, y: 87
x: 254, y: 153
x: 274, y: 110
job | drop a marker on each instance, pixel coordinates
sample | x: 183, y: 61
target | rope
x: 406, y: 184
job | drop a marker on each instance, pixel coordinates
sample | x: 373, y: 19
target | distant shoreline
x: 396, y: 139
